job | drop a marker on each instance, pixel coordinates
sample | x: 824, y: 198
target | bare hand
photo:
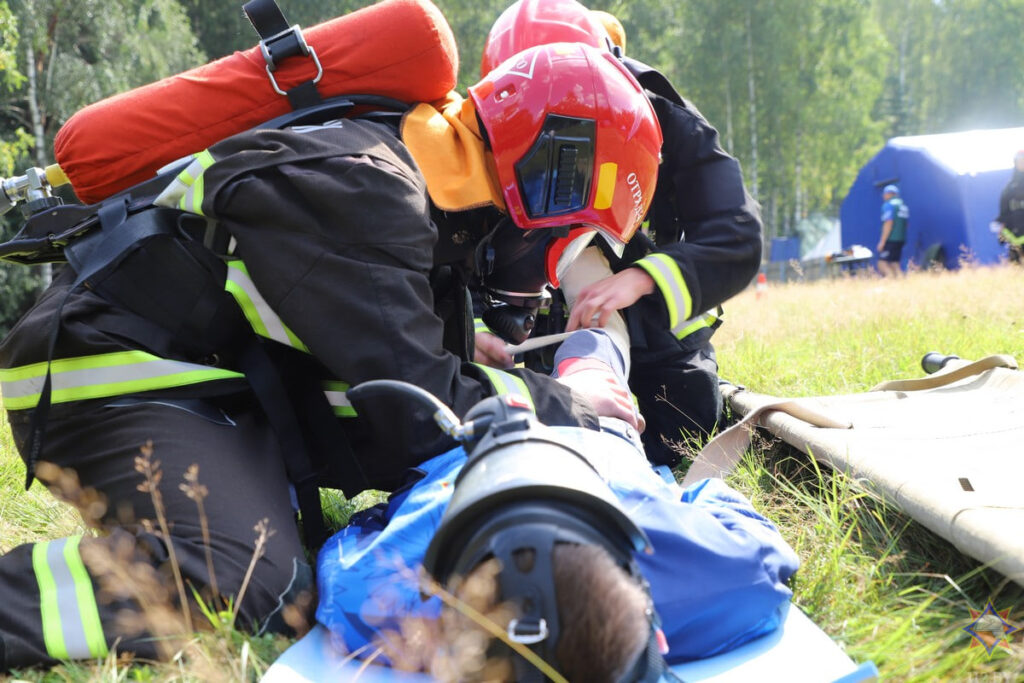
x: 598, y: 301
x: 601, y: 388
x: 490, y: 351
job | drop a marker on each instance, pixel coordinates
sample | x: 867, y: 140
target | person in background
x: 895, y: 214
x: 701, y: 245
x: 1010, y: 222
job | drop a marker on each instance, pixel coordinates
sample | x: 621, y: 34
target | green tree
x: 14, y: 142
x: 77, y: 52
x: 17, y: 285
x: 73, y: 53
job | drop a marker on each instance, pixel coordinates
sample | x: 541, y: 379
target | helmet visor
x: 554, y: 175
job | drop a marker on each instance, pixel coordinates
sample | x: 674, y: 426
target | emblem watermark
x: 990, y: 628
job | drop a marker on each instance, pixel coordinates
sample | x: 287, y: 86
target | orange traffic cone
x: 762, y: 285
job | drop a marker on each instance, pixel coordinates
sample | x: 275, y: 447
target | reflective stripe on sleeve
x: 185, y: 192
x: 265, y: 322
x: 67, y: 602
x: 669, y: 279
x: 706, y: 319
x: 335, y: 392
x: 1012, y: 239
x: 506, y: 383
x: 480, y: 326
x: 101, y: 376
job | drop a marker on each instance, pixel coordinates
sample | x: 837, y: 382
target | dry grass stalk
x: 150, y: 470
x: 197, y: 492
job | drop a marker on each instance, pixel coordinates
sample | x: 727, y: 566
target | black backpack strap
x: 278, y: 42
x: 100, y: 250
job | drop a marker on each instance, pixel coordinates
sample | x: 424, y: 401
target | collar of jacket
x: 444, y: 139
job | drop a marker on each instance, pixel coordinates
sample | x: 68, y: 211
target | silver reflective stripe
x: 507, y: 383
x: 67, y: 602
x: 185, y: 192
x: 257, y: 311
x: 667, y: 276
x: 335, y: 393
x: 100, y: 376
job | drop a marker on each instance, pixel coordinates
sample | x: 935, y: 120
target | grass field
x: 883, y: 587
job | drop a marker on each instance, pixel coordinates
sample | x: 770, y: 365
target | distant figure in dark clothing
x: 1011, y: 210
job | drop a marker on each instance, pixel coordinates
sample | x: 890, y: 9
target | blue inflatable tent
x: 951, y: 183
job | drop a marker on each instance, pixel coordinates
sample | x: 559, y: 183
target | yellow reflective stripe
x: 192, y: 180
x: 703, y: 320
x: 68, y: 610
x: 669, y: 279
x: 49, y: 612
x: 1009, y: 237
x: 335, y: 392
x: 100, y: 376
x: 480, y: 326
x: 265, y: 322
x: 179, y: 193
x: 505, y: 383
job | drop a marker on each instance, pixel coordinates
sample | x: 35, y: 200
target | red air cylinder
x: 402, y: 49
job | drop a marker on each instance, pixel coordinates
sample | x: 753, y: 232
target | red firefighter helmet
x: 527, y: 23
x: 575, y: 140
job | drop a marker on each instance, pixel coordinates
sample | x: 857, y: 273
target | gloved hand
x: 602, y: 387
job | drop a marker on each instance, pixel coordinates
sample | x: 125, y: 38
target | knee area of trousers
x: 280, y: 598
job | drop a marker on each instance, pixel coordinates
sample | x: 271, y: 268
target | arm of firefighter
x: 720, y: 223
x: 334, y: 226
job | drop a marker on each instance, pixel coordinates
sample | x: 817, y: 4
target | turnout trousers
x: 66, y: 599
x: 679, y: 397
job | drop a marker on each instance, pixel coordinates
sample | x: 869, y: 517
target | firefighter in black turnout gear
x: 346, y: 248
x: 702, y: 244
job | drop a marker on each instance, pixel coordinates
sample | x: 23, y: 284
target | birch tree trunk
x: 752, y: 93
x: 39, y: 137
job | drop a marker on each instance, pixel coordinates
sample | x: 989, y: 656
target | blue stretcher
x: 796, y: 652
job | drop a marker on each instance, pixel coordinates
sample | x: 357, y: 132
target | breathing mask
x: 517, y: 266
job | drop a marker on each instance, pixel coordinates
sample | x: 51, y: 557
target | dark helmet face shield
x: 555, y: 174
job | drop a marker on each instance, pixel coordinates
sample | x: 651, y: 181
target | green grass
x: 882, y: 586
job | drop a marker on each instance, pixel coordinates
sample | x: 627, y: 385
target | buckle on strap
x: 528, y: 632
x: 280, y: 46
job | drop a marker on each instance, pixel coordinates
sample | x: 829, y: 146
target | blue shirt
x: 896, y: 211
x: 717, y: 574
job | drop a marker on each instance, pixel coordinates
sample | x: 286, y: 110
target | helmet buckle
x: 528, y: 632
